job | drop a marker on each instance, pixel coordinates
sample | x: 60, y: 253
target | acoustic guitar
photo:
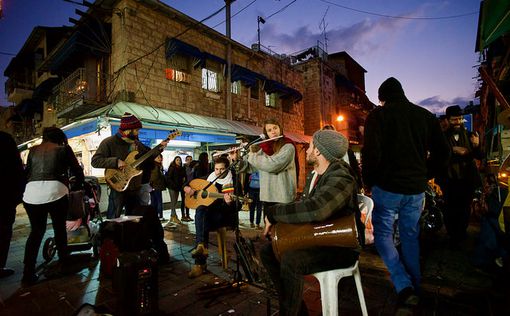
x: 204, y: 196
x: 130, y: 176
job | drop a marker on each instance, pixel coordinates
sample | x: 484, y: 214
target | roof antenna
x: 322, y: 27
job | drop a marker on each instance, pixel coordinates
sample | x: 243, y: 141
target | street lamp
x: 259, y: 20
x: 340, y: 118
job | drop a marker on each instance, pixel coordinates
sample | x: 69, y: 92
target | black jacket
x: 49, y: 161
x: 403, y: 146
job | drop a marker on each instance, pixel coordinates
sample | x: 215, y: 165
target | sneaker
x: 174, y: 219
x: 30, y: 279
x: 189, y: 219
x: 162, y: 219
x: 407, y: 297
x: 200, y: 250
x: 258, y: 227
x: 499, y: 262
x: 196, y: 271
x: 5, y: 272
x: 252, y: 225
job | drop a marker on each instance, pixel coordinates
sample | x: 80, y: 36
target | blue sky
x: 432, y: 56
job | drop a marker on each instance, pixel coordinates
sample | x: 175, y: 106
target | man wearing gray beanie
x: 330, y: 193
x: 403, y: 147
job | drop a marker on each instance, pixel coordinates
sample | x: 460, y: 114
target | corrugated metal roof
x: 184, y: 120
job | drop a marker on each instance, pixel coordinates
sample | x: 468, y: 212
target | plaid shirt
x: 334, y: 196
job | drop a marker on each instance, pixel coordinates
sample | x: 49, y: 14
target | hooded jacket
x: 403, y: 146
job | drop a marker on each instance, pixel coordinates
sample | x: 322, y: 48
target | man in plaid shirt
x: 330, y: 192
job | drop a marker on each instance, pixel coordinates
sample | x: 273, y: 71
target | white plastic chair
x: 328, y: 280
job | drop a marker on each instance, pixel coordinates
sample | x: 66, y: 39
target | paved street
x: 450, y: 284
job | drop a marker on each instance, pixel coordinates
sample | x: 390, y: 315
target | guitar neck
x: 145, y: 156
x: 217, y: 195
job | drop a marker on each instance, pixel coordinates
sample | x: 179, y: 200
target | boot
x: 200, y: 250
x: 197, y: 270
x: 174, y: 219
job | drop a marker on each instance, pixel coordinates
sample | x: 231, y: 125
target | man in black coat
x: 11, y: 192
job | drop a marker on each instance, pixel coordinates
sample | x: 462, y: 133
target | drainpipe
x: 229, y: 62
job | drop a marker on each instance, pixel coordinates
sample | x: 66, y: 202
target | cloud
x: 362, y: 38
x: 437, y: 105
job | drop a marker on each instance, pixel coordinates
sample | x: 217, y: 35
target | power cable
x: 401, y: 17
x: 7, y: 54
x: 281, y: 10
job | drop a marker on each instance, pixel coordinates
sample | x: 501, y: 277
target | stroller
x: 83, y: 220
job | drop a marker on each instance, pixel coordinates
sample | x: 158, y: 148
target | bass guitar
x: 130, y: 176
x: 204, y: 196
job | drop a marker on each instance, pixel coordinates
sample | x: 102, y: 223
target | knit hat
x: 391, y: 90
x: 453, y: 110
x: 331, y: 144
x: 129, y: 121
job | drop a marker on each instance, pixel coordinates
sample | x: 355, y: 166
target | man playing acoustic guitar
x: 329, y: 193
x: 112, y: 153
x: 220, y: 213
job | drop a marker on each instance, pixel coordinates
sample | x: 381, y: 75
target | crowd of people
x: 404, y: 147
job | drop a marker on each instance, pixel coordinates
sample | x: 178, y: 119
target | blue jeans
x: 404, y: 268
x: 255, y: 206
x: 157, y: 202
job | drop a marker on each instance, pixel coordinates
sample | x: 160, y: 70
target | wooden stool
x: 222, y: 246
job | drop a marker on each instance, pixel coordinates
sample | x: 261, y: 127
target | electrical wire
x: 401, y: 17
x: 281, y: 10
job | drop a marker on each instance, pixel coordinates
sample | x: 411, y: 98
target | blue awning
x: 175, y: 46
x: 271, y: 86
x: 245, y: 75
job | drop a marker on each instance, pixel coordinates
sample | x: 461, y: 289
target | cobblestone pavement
x: 451, y: 286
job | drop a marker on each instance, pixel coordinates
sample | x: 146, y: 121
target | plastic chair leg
x: 359, y: 288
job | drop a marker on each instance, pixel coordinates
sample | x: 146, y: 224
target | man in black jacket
x: 13, y: 182
x: 403, y: 147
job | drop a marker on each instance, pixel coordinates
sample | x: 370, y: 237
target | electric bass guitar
x: 205, y: 196
x: 130, y: 176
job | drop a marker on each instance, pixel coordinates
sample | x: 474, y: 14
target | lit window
x: 236, y: 87
x: 271, y: 99
x: 210, y: 80
x: 176, y: 75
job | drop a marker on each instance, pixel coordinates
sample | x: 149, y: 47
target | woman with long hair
x: 175, y: 179
x: 48, y: 167
x: 158, y: 185
x: 202, y: 169
x: 277, y: 164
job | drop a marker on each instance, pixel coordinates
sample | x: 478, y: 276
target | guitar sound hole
x: 204, y: 194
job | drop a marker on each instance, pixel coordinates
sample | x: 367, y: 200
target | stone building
x: 171, y: 71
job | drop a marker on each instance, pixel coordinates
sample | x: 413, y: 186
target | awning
x: 245, y: 75
x: 271, y: 86
x: 175, y: 46
x: 494, y: 21
x: 187, y: 122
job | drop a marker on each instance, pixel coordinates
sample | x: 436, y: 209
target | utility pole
x: 229, y: 111
x: 259, y: 20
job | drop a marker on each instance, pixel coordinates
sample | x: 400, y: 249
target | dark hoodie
x: 398, y: 138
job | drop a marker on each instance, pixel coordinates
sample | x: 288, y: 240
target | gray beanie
x: 331, y: 144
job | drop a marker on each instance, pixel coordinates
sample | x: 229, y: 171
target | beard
x: 311, y: 161
x: 132, y: 136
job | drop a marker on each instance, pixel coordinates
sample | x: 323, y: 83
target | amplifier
x: 135, y: 281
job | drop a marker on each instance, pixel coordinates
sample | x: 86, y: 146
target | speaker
x: 135, y: 281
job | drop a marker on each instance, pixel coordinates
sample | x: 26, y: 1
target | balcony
x: 18, y: 91
x: 81, y: 92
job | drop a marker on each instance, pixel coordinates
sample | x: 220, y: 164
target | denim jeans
x: 255, y: 206
x: 157, y: 201
x: 404, y: 268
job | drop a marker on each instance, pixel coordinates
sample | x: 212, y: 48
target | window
x: 210, y: 80
x: 271, y: 99
x: 177, y: 75
x: 254, y: 91
x: 178, y: 68
x: 236, y: 87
